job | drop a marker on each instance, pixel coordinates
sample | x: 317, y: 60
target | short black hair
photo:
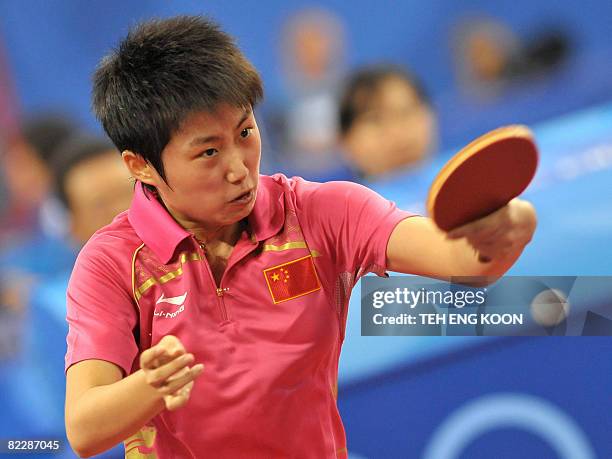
x: 367, y: 81
x: 75, y: 150
x: 161, y: 72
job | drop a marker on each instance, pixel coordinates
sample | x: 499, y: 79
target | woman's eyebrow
x: 212, y: 138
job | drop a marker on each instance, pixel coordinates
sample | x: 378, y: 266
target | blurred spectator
x: 8, y: 106
x: 303, y: 125
x: 91, y: 181
x: 8, y: 124
x: 28, y: 179
x: 386, y: 121
x: 10, y: 321
x: 489, y: 55
x: 94, y: 186
x: 27, y: 182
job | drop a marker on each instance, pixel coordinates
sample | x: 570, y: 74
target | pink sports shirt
x: 269, y: 335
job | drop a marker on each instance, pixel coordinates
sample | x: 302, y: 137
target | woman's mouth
x: 244, y: 198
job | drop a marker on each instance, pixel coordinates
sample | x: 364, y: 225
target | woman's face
x: 212, y: 168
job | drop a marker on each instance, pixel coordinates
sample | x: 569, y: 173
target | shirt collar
x: 154, y: 225
x: 268, y: 215
x: 162, y: 234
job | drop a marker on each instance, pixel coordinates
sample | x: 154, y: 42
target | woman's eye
x: 246, y: 132
x: 209, y: 153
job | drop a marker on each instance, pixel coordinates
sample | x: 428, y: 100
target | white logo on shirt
x: 176, y: 300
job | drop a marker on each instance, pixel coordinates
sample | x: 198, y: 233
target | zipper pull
x: 200, y: 243
x: 221, y: 291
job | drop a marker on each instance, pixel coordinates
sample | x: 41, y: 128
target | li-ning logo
x: 176, y: 300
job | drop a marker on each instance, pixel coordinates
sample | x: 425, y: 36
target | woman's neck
x: 209, y: 236
x: 213, y: 236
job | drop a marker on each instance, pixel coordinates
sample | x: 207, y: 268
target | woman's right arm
x: 103, y: 408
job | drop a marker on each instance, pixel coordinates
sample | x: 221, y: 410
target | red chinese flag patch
x: 292, y: 279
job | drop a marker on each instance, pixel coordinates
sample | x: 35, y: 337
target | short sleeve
x: 100, y: 312
x: 353, y: 222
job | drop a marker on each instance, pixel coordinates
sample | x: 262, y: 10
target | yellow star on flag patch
x: 292, y: 279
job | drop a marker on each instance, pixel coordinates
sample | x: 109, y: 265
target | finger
x: 465, y: 230
x: 158, y: 376
x: 172, y: 347
x: 485, y: 247
x: 486, y: 253
x: 188, y: 387
x: 176, y: 383
x: 148, y: 358
x: 479, y: 229
x: 166, y: 350
x: 499, y: 233
x: 171, y: 343
x: 183, y: 383
x: 468, y: 228
x: 484, y: 224
x: 184, y: 391
x: 165, y: 357
x: 174, y: 402
x: 182, y: 372
x: 179, y: 398
x: 496, y: 252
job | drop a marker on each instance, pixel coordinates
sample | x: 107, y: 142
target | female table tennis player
x: 207, y: 320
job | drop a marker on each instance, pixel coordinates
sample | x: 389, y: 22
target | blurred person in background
x: 9, y: 115
x: 8, y: 130
x: 28, y: 178
x: 92, y: 184
x: 386, y: 121
x: 489, y: 55
x: 303, y: 125
x: 28, y: 216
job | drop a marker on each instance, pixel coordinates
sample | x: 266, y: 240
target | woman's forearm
x: 104, y: 416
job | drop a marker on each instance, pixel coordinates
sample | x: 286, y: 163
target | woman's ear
x: 139, y: 168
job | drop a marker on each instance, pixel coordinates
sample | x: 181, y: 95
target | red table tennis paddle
x: 483, y: 177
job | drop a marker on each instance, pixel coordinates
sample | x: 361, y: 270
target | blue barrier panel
x: 508, y: 398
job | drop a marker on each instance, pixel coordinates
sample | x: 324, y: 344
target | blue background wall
x: 54, y: 47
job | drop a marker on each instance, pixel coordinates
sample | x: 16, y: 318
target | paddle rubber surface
x: 483, y: 177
